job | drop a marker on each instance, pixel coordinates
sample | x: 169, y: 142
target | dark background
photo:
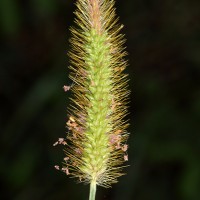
x: 163, y: 41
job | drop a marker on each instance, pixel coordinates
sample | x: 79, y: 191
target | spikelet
x: 96, y: 141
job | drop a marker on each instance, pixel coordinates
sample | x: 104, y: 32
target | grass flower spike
x: 96, y: 140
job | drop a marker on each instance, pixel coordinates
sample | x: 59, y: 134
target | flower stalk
x: 92, y: 190
x: 96, y: 141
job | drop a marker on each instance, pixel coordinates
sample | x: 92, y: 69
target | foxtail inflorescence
x: 96, y: 140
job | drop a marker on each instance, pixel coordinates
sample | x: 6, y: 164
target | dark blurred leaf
x: 10, y: 17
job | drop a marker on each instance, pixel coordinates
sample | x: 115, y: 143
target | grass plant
x: 96, y: 142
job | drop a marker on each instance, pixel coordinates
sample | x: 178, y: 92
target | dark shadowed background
x: 163, y: 41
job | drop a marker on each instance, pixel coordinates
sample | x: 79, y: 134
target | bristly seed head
x: 96, y: 141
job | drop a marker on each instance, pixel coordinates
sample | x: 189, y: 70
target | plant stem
x: 92, y: 190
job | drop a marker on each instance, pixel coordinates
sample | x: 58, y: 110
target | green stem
x: 92, y: 190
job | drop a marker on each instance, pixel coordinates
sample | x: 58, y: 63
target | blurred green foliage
x: 163, y: 41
